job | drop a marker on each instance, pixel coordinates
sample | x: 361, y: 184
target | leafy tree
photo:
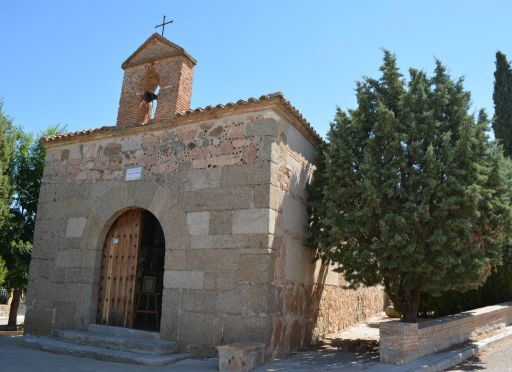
x: 502, y: 97
x: 7, y: 148
x: 3, y: 270
x: 410, y: 192
x: 27, y: 172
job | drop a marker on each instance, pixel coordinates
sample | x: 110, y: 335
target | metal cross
x: 163, y: 25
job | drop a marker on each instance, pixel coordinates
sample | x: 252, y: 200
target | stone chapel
x: 185, y: 222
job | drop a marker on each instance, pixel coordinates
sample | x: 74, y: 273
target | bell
x: 149, y: 97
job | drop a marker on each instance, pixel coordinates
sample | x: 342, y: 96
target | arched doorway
x: 131, y: 272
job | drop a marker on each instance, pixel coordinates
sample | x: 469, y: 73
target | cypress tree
x: 502, y: 97
x: 410, y: 192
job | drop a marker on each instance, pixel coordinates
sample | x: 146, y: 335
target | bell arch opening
x: 149, y: 89
x: 131, y: 272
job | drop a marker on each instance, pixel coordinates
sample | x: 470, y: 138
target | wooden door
x: 119, y: 270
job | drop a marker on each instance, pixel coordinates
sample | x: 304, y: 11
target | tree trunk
x: 13, y: 311
x: 9, y: 297
x: 410, y: 305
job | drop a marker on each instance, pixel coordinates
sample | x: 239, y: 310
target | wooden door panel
x: 119, y: 270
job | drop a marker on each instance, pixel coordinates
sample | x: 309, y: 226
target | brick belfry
x: 186, y: 222
x: 158, y: 63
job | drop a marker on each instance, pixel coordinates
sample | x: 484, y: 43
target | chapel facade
x: 185, y: 222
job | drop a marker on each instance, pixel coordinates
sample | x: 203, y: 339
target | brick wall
x: 404, y: 342
x: 172, y: 75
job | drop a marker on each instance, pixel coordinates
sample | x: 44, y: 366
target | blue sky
x: 60, y: 60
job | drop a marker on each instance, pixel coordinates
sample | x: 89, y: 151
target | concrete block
x: 184, y: 279
x: 198, y: 223
x: 254, y: 221
x: 240, y: 357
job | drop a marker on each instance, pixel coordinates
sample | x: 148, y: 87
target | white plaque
x: 133, y: 174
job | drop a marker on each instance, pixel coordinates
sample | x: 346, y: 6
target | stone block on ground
x: 240, y: 357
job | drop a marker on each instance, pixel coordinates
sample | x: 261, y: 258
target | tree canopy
x: 8, y: 135
x: 502, y: 97
x: 16, y: 234
x: 409, y: 192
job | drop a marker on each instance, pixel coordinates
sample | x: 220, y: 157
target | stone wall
x: 208, y: 185
x: 313, y: 302
x: 230, y: 194
x: 405, y: 342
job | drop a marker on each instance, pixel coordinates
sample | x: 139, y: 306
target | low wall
x: 4, y: 310
x: 404, y: 342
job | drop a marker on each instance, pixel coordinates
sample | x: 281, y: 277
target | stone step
x: 135, y: 344
x: 122, y: 332
x: 94, y: 352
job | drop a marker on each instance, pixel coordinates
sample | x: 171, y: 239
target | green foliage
x: 3, y: 271
x: 498, y: 287
x: 17, y: 234
x: 502, y: 97
x: 7, y: 149
x: 410, y: 193
x: 495, y: 290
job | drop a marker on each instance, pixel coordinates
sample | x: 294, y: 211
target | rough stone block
x: 235, y: 301
x: 254, y: 221
x: 64, y: 315
x: 69, y: 258
x: 242, y: 328
x: 295, y: 215
x: 240, y: 357
x: 221, y: 222
x: 175, y: 259
x: 263, y: 298
x: 196, y: 329
x: 199, y: 300
x: 254, y: 174
x: 198, y: 179
x: 184, y: 279
x: 217, y: 199
x: 170, y: 314
x: 39, y: 322
x: 255, y: 268
x: 208, y: 260
x: 219, y: 241
x: 265, y: 127
x: 198, y: 223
